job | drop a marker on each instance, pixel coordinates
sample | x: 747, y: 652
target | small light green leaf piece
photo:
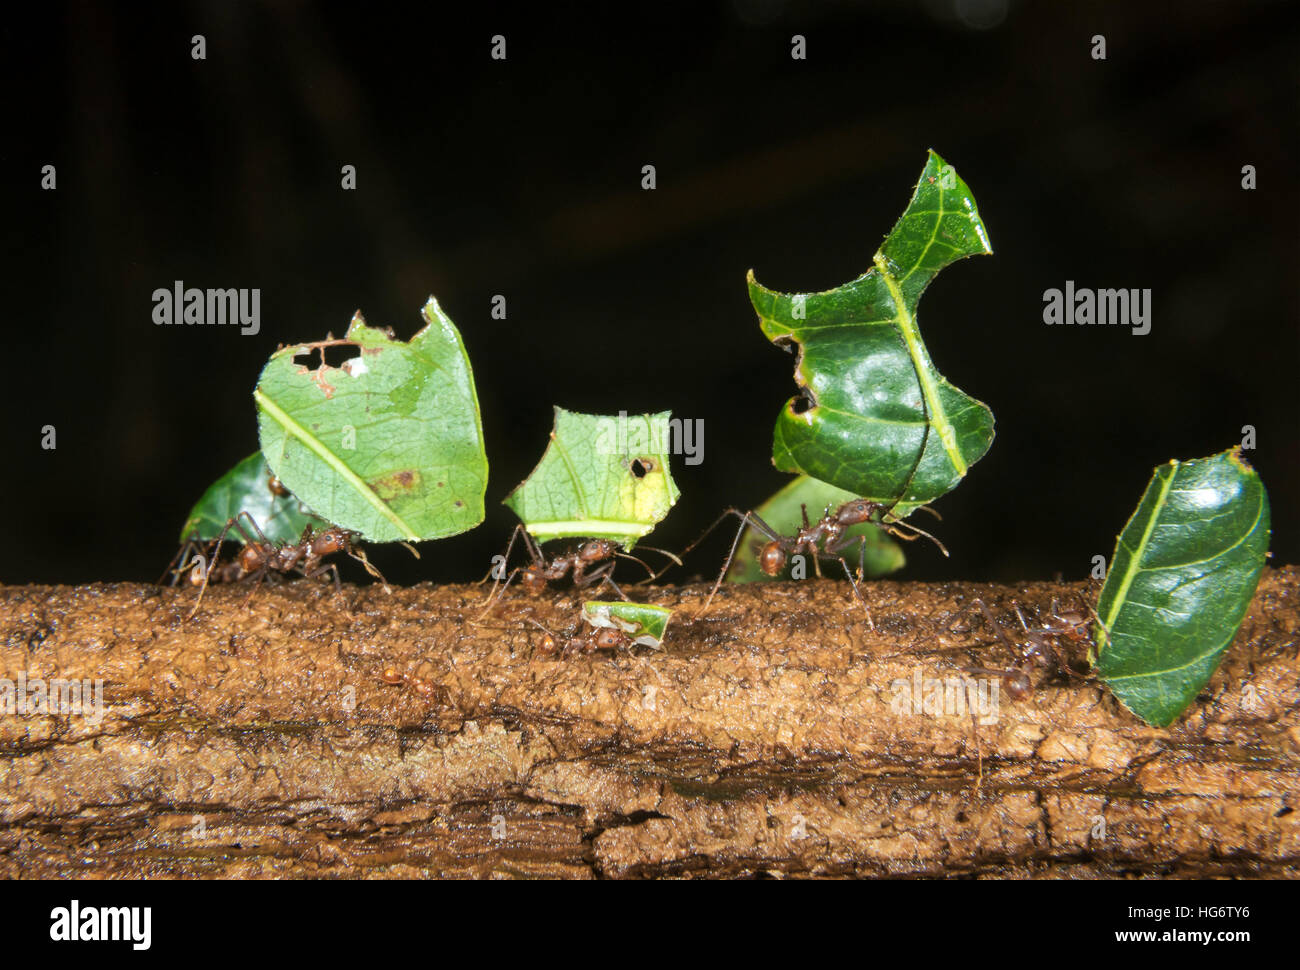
x: 602, y: 477
x: 1184, y: 572
x: 644, y: 623
x: 390, y: 444
x: 245, y: 488
x: 783, y: 513
x: 859, y: 423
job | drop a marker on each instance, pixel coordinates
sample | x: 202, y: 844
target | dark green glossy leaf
x: 245, y: 488
x: 602, y: 477
x: 860, y: 422
x: 644, y: 623
x: 390, y: 444
x: 784, y: 513
x: 1183, y: 574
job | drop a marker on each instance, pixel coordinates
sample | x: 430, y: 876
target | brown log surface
x: 772, y: 736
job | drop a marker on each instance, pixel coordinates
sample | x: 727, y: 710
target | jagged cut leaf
x: 859, y: 421
x: 784, y: 513
x: 246, y: 488
x: 644, y: 623
x: 1183, y: 574
x: 602, y: 477
x: 390, y: 444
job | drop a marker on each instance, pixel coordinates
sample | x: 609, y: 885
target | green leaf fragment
x: 602, y: 477
x: 644, y: 623
x: 390, y: 444
x: 245, y: 488
x: 860, y: 421
x: 784, y: 513
x: 1184, y: 572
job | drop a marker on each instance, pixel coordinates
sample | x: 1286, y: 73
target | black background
x: 522, y: 177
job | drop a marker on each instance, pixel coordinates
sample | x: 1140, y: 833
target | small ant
x: 260, y: 558
x: 831, y: 531
x: 591, y: 562
x: 421, y: 685
x: 589, y: 641
x: 1041, y: 648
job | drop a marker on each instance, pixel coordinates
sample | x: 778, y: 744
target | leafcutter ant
x: 590, y: 562
x: 828, y: 537
x: 261, y: 558
x: 589, y: 640
x: 1039, y: 648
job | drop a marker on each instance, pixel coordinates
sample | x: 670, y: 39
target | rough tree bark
x: 776, y: 735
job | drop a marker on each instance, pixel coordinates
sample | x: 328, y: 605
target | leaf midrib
x: 1135, y: 559
x: 337, y: 465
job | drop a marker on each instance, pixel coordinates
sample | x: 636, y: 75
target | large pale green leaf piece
x: 784, y: 513
x: 644, y: 623
x: 1183, y: 574
x: 859, y: 422
x: 246, y: 488
x: 390, y: 444
x: 602, y: 477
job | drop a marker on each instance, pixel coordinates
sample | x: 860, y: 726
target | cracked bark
x: 772, y: 737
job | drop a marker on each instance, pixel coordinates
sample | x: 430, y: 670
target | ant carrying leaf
x: 869, y: 394
x: 602, y: 479
x: 829, y: 537
x: 260, y: 558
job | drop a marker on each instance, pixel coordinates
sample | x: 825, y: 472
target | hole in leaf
x: 641, y: 467
x: 803, y: 402
x: 335, y: 356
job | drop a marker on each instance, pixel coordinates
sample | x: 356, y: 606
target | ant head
x: 856, y: 512
x: 330, y: 541
x: 772, y: 559
x: 608, y: 639
x: 596, y: 550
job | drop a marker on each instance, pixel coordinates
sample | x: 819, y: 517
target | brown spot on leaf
x: 397, y: 484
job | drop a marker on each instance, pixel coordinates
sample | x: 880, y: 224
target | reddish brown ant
x: 591, y: 640
x: 591, y: 562
x: 421, y: 685
x: 261, y: 558
x: 831, y: 530
x: 1040, y: 648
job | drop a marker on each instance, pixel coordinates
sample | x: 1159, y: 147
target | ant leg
x: 183, y: 559
x: 505, y: 558
x: 360, y: 556
x: 746, y: 519
x: 857, y: 591
x: 495, y: 595
x: 601, y: 575
x: 672, y: 561
x: 216, y: 552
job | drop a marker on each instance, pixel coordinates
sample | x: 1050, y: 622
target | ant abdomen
x: 772, y: 559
